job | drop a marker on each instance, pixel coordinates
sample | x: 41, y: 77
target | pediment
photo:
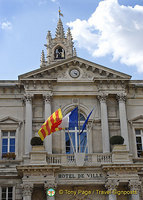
x: 9, y: 120
x: 138, y: 119
x: 60, y: 71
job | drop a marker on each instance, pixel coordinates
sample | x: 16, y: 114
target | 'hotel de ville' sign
x: 84, y: 175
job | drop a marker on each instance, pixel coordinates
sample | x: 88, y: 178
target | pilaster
x: 112, y: 185
x: 28, y: 122
x: 123, y: 118
x: 104, y: 123
x: 48, y: 140
x: 89, y: 137
x: 27, y: 191
x: 135, y: 187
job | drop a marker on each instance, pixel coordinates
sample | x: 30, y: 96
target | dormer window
x: 59, y: 53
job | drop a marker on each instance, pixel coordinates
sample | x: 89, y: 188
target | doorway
x: 39, y: 193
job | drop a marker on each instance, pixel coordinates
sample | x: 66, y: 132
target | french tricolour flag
x: 70, y: 120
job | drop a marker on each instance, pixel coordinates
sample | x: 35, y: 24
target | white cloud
x: 6, y: 25
x: 112, y: 29
x: 42, y: 2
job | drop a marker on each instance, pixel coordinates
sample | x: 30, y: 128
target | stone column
x: 89, y: 137
x: 27, y: 191
x: 141, y: 188
x: 123, y: 118
x: 28, y: 123
x: 48, y: 186
x: 48, y: 139
x: 135, y: 188
x: 104, y: 123
x: 112, y: 185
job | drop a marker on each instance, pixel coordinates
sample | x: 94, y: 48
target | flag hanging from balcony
x: 51, y: 124
x: 70, y: 120
x: 57, y: 122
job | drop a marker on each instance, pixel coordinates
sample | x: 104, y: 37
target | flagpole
x: 59, y: 12
x: 79, y: 123
x: 90, y: 130
x: 71, y: 141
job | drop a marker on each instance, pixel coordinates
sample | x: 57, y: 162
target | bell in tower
x: 59, y: 53
x: 59, y: 48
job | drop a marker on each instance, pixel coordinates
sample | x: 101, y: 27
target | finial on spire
x: 48, y: 34
x: 74, y: 52
x: 69, y: 35
x: 49, y: 37
x: 42, y: 60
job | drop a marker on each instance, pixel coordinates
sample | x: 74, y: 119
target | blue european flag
x: 84, y: 125
x: 73, y: 118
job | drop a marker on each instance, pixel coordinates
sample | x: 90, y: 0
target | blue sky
x: 106, y: 32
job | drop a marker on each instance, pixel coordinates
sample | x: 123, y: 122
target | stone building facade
x: 96, y: 170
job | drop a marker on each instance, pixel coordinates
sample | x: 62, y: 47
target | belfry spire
x: 60, y: 30
x: 60, y: 47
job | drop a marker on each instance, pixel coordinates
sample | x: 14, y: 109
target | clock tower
x: 58, y: 48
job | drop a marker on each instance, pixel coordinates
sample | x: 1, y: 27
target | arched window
x: 59, y: 53
x: 79, y: 140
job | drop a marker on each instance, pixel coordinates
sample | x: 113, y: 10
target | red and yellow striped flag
x: 60, y: 14
x: 51, y: 124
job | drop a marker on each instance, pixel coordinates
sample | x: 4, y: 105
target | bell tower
x: 58, y: 48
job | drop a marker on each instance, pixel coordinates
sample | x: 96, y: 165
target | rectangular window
x: 139, y: 141
x: 8, y: 142
x: 7, y: 193
x: 79, y: 141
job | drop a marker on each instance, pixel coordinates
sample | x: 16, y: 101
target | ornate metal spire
x: 60, y: 30
x: 42, y: 60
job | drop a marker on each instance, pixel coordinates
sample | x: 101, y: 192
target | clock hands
x: 74, y: 73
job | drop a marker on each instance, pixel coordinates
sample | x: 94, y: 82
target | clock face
x: 74, y: 73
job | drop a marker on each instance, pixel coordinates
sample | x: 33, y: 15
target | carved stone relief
x: 135, y: 185
x: 112, y: 184
x: 48, y: 97
x: 28, y: 97
x: 50, y: 185
x: 102, y: 97
x: 121, y: 97
x: 27, y: 189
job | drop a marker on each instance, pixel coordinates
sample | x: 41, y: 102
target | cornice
x: 82, y: 63
x: 122, y: 167
x: 36, y: 169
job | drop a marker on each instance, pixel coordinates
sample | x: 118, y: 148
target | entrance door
x: 38, y: 193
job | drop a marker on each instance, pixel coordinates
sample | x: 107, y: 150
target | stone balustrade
x: 90, y: 159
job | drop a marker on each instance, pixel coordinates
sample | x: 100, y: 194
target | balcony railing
x: 89, y: 160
